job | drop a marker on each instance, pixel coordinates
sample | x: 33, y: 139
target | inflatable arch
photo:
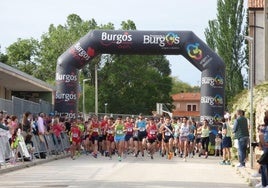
x: 184, y: 43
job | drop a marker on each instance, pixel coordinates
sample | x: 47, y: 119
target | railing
x: 18, y: 106
x: 44, y: 146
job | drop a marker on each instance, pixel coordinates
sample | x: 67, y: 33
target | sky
x: 31, y: 18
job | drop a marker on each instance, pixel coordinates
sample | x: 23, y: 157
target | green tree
x: 23, y: 54
x: 57, y: 40
x: 134, y: 84
x: 224, y: 36
x: 3, y: 57
x: 179, y: 86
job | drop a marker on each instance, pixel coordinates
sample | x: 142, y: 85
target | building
x: 16, y: 83
x: 186, y: 104
x: 258, y: 31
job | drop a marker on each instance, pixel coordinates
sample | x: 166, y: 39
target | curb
x: 246, y: 173
x: 22, y: 165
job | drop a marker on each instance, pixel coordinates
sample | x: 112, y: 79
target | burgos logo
x: 115, y: 38
x: 213, y: 101
x: 162, y: 40
x: 66, y: 77
x: 79, y: 53
x: 194, y: 51
x: 217, y: 117
x: 217, y: 81
x: 66, y: 96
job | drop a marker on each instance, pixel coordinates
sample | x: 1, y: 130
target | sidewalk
x: 7, y: 167
x: 246, y: 173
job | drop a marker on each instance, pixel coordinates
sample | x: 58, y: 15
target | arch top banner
x: 184, y: 43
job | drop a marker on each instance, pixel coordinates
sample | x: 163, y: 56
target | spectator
x: 41, y: 124
x: 26, y: 124
x: 241, y: 132
x: 263, y: 137
x: 226, y: 141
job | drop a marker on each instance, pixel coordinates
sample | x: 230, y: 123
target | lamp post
x: 84, y: 96
x: 251, y: 84
x: 106, y: 108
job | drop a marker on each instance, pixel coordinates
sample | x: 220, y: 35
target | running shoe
x: 119, y: 159
x: 94, y: 155
x: 222, y: 163
x: 152, y: 157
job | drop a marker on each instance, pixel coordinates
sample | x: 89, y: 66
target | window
x: 189, y: 107
x: 194, y: 107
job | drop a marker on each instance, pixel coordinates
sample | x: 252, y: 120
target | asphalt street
x: 131, y: 172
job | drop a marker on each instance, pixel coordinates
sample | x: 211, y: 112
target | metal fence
x: 18, y: 106
x: 44, y: 146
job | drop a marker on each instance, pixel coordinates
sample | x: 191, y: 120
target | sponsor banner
x: 70, y: 115
x: 214, y: 101
x: 215, y: 82
x: 169, y: 41
x: 80, y: 54
x: 67, y: 78
x: 196, y: 53
x: 121, y: 40
x: 211, y: 119
x: 66, y: 97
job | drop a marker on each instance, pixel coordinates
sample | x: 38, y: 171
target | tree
x: 179, y: 86
x: 23, y: 54
x: 134, y: 84
x: 225, y: 36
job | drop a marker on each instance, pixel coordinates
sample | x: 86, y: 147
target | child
x: 75, y: 139
x: 218, y: 145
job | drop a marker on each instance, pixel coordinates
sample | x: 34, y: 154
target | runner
x: 141, y: 126
x: 160, y: 145
x: 151, y: 136
x: 129, y: 127
x: 191, y: 137
x: 168, y: 137
x: 119, y: 136
x: 184, y: 132
x: 176, y: 128
x: 75, y: 138
x: 95, y: 129
x: 87, y: 138
x: 102, y: 136
x: 110, y: 138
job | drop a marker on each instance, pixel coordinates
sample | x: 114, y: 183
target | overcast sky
x: 31, y: 18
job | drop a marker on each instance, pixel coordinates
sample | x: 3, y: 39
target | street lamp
x: 84, y: 96
x: 251, y: 41
x: 106, y: 108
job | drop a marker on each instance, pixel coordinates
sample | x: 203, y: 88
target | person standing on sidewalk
x: 226, y: 141
x: 241, y: 132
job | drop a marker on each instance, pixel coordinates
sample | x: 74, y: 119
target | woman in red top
x: 95, y: 132
x: 151, y: 136
x: 110, y: 138
x: 129, y: 127
x: 75, y: 138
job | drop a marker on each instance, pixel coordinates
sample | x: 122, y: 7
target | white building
x: 258, y: 30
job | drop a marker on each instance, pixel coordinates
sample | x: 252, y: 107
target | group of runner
x: 129, y: 136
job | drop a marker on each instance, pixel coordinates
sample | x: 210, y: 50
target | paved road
x: 131, y: 172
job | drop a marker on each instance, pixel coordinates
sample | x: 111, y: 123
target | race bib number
x: 167, y: 134
x: 96, y: 130
x: 110, y: 132
x: 119, y: 132
x: 75, y: 135
x: 142, y: 129
x: 129, y: 130
x: 152, y: 132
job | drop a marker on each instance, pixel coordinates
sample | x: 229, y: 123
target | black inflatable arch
x: 184, y: 43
